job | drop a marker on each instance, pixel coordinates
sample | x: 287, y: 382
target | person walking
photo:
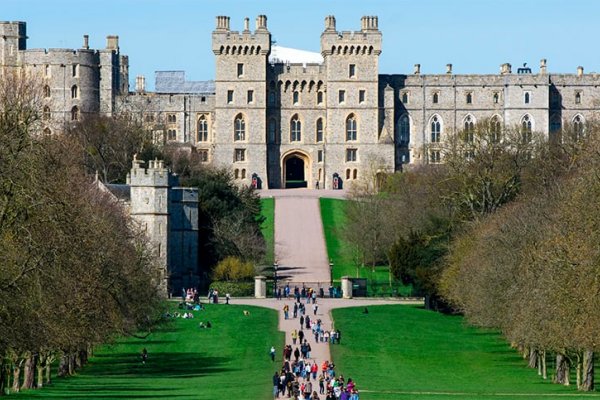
x: 276, y: 385
x: 272, y: 353
x: 286, y: 311
x: 315, y: 308
x: 294, y: 336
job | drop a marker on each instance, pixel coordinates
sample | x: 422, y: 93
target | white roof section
x: 287, y: 55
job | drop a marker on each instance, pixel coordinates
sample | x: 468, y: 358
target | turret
x: 14, y: 35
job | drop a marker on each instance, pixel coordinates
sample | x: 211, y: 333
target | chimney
x: 417, y: 69
x: 140, y: 83
x: 86, y: 42
x: 222, y: 23
x: 543, y: 66
x: 449, y: 69
x: 368, y: 23
x: 330, y: 23
x: 246, y: 24
x: 112, y: 42
x: 261, y: 22
x: 580, y: 71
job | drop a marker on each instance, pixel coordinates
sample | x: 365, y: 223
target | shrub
x: 233, y: 269
x: 236, y: 289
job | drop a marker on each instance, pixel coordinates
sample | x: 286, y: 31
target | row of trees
x: 73, y: 275
x: 505, y: 230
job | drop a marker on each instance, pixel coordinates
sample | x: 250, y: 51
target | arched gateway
x: 296, y: 170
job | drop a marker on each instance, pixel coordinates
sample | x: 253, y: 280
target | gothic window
x: 319, y: 98
x: 203, y: 154
x: 296, y: 97
x: 496, y: 97
x: 46, y: 91
x: 202, y: 129
x: 405, y: 97
x: 172, y: 134
x: 469, y: 129
x: 239, y: 128
x: 171, y: 118
x: 355, y: 174
x: 243, y: 173
x: 319, y: 130
x: 46, y: 113
x: 347, y: 173
x: 436, y: 129
x: 295, y: 129
x: 351, y: 127
x: 272, y: 130
x: 578, y: 127
x: 75, y: 114
x: 404, y: 129
x: 236, y: 173
x: 351, y: 155
x: 526, y: 128
x: 239, y: 155
x: 74, y: 92
x: 435, y: 157
x: 436, y: 98
x: 527, y: 97
x: 578, y: 98
x: 495, y: 129
x: 75, y: 70
x: 341, y: 96
x: 361, y: 96
x: 469, y: 98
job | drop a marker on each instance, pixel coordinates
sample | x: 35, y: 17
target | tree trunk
x: 533, y: 358
x: 544, y: 368
x: 48, y: 377
x: 63, y: 365
x: 16, y: 377
x: 578, y: 369
x: 587, y: 383
x: 562, y: 369
x: 3, y: 378
x: 40, y: 373
x: 28, y: 372
x: 71, y: 364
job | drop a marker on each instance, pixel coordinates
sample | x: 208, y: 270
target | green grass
x: 184, y: 362
x: 412, y: 353
x: 267, y: 210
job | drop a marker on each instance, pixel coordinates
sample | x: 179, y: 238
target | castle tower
x: 240, y: 105
x: 150, y: 207
x: 13, y: 38
x: 111, y: 74
x: 356, y: 134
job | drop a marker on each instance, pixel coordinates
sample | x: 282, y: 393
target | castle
x: 280, y: 117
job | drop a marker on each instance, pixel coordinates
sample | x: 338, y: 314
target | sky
x: 476, y: 36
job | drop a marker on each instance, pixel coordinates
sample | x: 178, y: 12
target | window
x: 405, y: 97
x: 203, y: 99
x: 361, y: 96
x: 171, y: 118
x: 229, y: 96
x: 496, y: 97
x: 250, y: 96
x: 577, y: 97
x: 149, y: 118
x: 495, y: 129
x: 526, y: 127
x: 469, y: 98
x: 348, y: 174
x: 295, y: 129
x: 351, y: 127
x: 272, y: 131
x: 239, y: 128
x: 527, y: 97
x: 75, y: 114
x: 46, y: 113
x: 355, y: 174
x: 404, y: 129
x: 47, y: 70
x: 203, y: 155
x: 320, y: 156
x: 341, y: 96
x: 74, y: 92
x: 469, y: 129
x: 435, y: 157
x: 236, y: 174
x: 436, y: 129
x: 47, y: 91
x: 272, y: 98
x: 352, y: 71
x: 436, y: 98
x: 296, y: 97
x: 240, y: 70
x: 351, y: 155
x: 243, y: 173
x: 578, y: 127
x: 172, y: 134
x: 75, y: 69
x: 319, y: 130
x: 239, y: 155
x: 202, y: 129
x: 319, y: 98
x: 47, y: 131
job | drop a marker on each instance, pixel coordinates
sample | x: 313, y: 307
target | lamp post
x: 275, y: 265
x: 331, y: 272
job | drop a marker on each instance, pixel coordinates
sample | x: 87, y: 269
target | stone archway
x: 296, y: 170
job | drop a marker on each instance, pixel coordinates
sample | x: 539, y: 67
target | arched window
x: 527, y: 97
x: 496, y: 98
x: 202, y: 129
x: 46, y: 113
x: 578, y: 98
x: 351, y: 127
x: 295, y: 129
x: 239, y: 130
x: 469, y: 129
x: 578, y: 127
x: 348, y: 173
x: 74, y: 92
x: 469, y: 98
x: 526, y: 128
x: 47, y: 131
x: 272, y: 131
x: 495, y: 129
x: 404, y: 129
x: 75, y: 114
x: 436, y: 129
x: 355, y: 174
x: 436, y: 98
x: 319, y: 130
x: 46, y: 91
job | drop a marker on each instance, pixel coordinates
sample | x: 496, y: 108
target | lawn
x: 267, y: 210
x: 406, y: 352
x: 186, y: 362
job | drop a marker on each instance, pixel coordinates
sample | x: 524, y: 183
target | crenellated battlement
x: 155, y: 175
x: 246, y: 42
x: 367, y: 41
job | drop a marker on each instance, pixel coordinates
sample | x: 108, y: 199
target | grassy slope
x: 409, y: 349
x: 268, y: 227
x: 184, y: 361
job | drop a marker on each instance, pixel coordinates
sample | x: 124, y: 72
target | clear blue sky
x: 476, y: 36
